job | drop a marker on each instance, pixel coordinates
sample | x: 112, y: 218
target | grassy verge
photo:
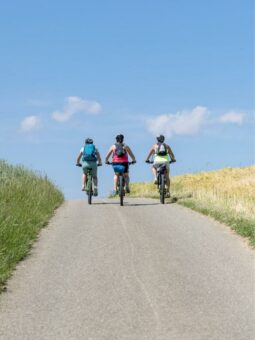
x: 228, y: 195
x: 27, y: 201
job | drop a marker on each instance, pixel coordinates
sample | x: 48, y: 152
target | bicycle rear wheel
x: 90, y: 191
x: 162, y: 189
x: 121, y: 188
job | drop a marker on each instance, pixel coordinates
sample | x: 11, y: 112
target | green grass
x: 27, y: 201
x: 241, y: 225
x: 228, y: 195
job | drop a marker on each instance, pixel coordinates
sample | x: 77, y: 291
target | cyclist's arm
x: 98, y: 157
x: 130, y: 153
x: 79, y: 158
x: 151, y: 153
x: 109, y: 154
x: 170, y: 153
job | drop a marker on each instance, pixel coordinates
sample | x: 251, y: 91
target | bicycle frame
x: 161, y: 180
x: 120, y: 183
x: 89, y: 185
x: 121, y: 186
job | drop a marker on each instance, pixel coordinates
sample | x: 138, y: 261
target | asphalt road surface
x: 142, y: 271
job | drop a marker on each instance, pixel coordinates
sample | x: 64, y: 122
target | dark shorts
x: 119, y: 167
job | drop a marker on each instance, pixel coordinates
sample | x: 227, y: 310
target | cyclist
x: 120, y: 152
x: 162, y: 154
x: 90, y: 157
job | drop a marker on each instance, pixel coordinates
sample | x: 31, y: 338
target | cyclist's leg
x: 154, y: 172
x: 117, y: 167
x: 168, y: 180
x: 126, y: 176
x: 95, y: 181
x: 93, y: 166
x: 115, y: 181
x: 83, y: 181
x: 127, y: 180
x: 84, y: 169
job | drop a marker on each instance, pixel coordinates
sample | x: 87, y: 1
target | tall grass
x: 27, y: 200
x: 227, y: 195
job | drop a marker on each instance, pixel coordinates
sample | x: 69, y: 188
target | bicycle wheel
x: 162, y: 189
x: 90, y: 191
x: 121, y: 193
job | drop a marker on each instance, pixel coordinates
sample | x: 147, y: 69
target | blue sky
x: 72, y: 69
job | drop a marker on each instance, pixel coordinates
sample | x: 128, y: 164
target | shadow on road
x: 140, y: 204
x: 102, y: 203
x: 126, y: 203
x: 170, y: 200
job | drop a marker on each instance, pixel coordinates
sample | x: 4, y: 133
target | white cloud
x: 232, y: 117
x: 74, y: 105
x: 30, y: 123
x: 181, y: 123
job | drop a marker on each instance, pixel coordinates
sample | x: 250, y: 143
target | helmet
x: 119, y: 138
x: 161, y: 139
x: 89, y: 141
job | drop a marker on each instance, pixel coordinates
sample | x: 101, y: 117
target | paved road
x: 142, y: 271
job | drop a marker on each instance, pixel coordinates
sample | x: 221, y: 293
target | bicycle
x: 161, y: 179
x: 121, y: 181
x: 89, y: 186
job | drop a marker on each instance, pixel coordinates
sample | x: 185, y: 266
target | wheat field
x: 227, y: 194
x: 229, y: 188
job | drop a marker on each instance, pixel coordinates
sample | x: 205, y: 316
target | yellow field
x: 230, y: 188
x: 227, y: 194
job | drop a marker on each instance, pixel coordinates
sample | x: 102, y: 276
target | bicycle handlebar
x: 151, y: 162
x: 111, y: 163
x: 130, y: 163
x: 79, y: 165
